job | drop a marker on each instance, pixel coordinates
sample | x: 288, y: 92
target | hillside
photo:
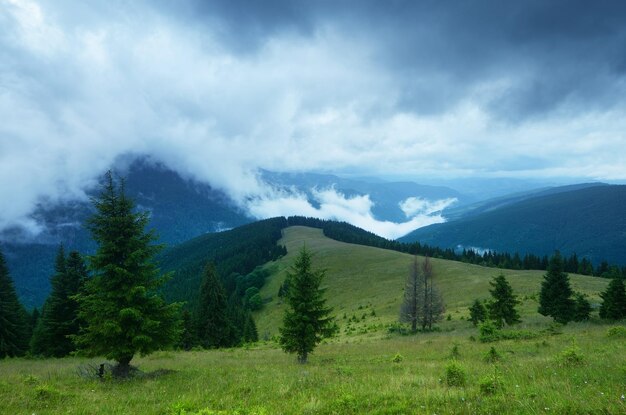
x: 590, y: 222
x: 179, y: 210
x: 362, y: 279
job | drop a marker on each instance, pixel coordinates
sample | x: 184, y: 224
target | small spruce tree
x: 307, y: 319
x: 13, y: 322
x: 501, y: 308
x: 122, y: 308
x: 614, y: 300
x: 214, y: 326
x: 582, y: 308
x: 555, y: 296
x: 478, y: 312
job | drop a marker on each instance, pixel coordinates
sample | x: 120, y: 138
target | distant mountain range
x: 589, y: 220
x: 180, y: 209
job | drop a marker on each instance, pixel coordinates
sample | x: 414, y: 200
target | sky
x: 217, y: 90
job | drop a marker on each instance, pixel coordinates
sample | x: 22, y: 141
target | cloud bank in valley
x: 217, y: 90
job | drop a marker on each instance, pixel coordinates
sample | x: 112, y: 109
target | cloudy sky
x: 218, y: 89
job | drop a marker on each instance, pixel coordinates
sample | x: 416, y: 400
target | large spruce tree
x: 555, y: 298
x: 13, y: 322
x: 214, y: 326
x: 122, y: 309
x: 614, y: 300
x: 502, y: 306
x: 307, y: 319
x: 59, y: 323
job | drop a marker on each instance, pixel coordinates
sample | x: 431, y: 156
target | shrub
x: 571, y: 357
x: 617, y: 332
x: 455, y: 352
x: 397, y: 358
x: 455, y: 374
x: 490, y: 385
x: 492, y: 355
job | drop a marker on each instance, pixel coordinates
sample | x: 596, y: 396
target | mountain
x: 482, y: 206
x: 588, y: 221
x: 179, y: 210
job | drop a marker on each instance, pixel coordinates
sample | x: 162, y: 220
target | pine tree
x: 59, y: 323
x: 13, y: 322
x: 250, y: 334
x: 214, y: 326
x: 502, y: 306
x: 555, y: 296
x: 122, y: 309
x: 582, y: 308
x: 614, y: 300
x: 188, y: 336
x: 478, y: 312
x: 307, y: 319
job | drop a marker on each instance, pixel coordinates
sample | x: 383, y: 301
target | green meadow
x: 368, y: 367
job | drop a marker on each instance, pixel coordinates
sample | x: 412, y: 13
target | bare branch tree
x: 422, y: 302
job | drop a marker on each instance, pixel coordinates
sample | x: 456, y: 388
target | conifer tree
x: 502, y: 306
x: 122, y: 309
x: 307, y: 319
x: 13, y: 322
x: 555, y: 296
x: 582, y: 308
x: 478, y: 312
x: 59, y: 323
x: 214, y: 326
x: 614, y: 300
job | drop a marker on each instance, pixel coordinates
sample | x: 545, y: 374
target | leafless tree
x: 422, y: 303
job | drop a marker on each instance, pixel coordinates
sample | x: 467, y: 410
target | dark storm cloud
x: 549, y: 53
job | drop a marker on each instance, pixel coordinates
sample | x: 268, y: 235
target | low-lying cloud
x: 356, y: 210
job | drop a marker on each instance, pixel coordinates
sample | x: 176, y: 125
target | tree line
x: 344, y: 232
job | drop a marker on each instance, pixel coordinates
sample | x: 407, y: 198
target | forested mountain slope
x: 590, y: 222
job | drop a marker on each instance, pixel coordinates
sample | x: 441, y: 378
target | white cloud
x: 78, y: 90
x: 334, y: 205
x: 413, y: 206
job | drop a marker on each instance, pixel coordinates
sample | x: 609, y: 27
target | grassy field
x: 579, y: 368
x: 363, y: 279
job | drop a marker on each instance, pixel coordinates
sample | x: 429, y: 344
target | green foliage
x: 214, y: 326
x: 307, y: 320
x: 582, y: 307
x: 478, y: 312
x: 614, y: 300
x: 455, y: 374
x: 502, y: 306
x: 490, y: 385
x: 397, y: 358
x: 59, y: 322
x: 618, y: 332
x: 13, y: 319
x: 571, y: 357
x: 236, y: 254
x: 555, y: 296
x: 124, y: 313
x: 492, y: 356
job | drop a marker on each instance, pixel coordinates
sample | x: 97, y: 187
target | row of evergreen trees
x: 556, y: 299
x: 345, y: 232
